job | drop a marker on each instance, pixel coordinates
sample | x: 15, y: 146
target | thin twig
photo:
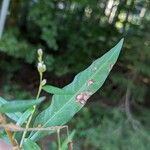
x: 58, y: 139
x: 8, y: 132
x: 31, y: 116
x: 70, y: 145
x: 13, y: 127
x: 10, y: 136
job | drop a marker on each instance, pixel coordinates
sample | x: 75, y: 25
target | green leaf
x: 13, y: 116
x: 3, y: 136
x: 85, y: 84
x: 24, y: 116
x: 69, y: 139
x: 30, y: 145
x: 18, y: 105
x: 55, y: 90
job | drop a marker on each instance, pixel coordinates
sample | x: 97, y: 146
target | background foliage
x: 73, y: 34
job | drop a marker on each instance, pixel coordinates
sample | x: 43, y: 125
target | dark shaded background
x: 72, y: 34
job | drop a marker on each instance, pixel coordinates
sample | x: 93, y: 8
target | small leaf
x: 24, y: 116
x: 13, y: 116
x: 67, y: 140
x: 85, y: 84
x: 30, y: 145
x: 18, y: 105
x: 55, y: 90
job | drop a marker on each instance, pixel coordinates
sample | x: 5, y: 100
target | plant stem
x: 8, y: 132
x: 67, y: 132
x: 58, y: 139
x: 10, y: 136
x: 34, y: 108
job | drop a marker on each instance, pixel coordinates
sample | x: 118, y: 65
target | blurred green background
x: 73, y: 33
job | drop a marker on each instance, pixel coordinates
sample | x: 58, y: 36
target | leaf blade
x: 86, y: 83
x: 30, y: 145
x: 24, y: 116
x: 18, y: 105
x: 12, y: 116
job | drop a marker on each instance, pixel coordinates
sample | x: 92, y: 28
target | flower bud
x: 41, y: 67
x: 40, y: 52
x: 44, y: 67
x: 43, y: 82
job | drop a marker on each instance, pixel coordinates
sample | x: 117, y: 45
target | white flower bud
x: 40, y: 52
x: 44, y: 67
x: 43, y: 82
x: 41, y: 67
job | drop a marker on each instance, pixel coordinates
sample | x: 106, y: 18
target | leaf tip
x: 121, y: 42
x: 119, y: 45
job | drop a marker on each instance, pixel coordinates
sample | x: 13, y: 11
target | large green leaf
x: 13, y: 116
x: 85, y: 84
x: 18, y: 105
x: 30, y: 145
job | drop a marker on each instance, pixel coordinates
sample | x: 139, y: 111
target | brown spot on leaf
x: 90, y: 82
x: 83, y: 97
x: 79, y: 97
